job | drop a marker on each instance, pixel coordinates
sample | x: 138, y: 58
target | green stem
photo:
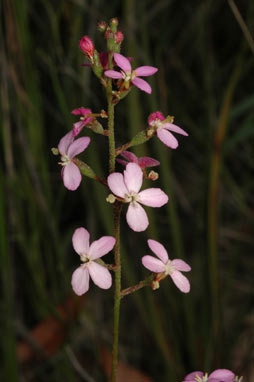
x: 117, y: 212
x: 116, y: 215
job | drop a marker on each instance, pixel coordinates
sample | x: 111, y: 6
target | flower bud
x: 111, y: 198
x: 114, y: 24
x: 118, y: 37
x: 155, y: 285
x: 153, y: 175
x: 55, y: 151
x: 102, y: 26
x: 87, y: 47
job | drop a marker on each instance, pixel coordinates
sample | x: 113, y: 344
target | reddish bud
x: 102, y: 26
x: 119, y: 37
x: 87, y: 47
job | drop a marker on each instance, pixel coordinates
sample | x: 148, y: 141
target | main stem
x: 116, y: 215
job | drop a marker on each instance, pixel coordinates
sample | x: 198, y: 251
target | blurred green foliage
x: 205, y: 80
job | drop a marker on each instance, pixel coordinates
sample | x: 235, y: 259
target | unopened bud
x: 102, y: 26
x: 153, y: 175
x: 111, y: 198
x: 87, y: 47
x: 149, y: 132
x: 118, y: 37
x: 155, y: 285
x: 113, y: 24
x: 55, y: 151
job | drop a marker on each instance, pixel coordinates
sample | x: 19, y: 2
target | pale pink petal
x: 144, y: 71
x: 142, y: 85
x: 102, y: 246
x: 117, y: 185
x: 123, y: 162
x: 71, y: 176
x: 153, y: 264
x: 180, y: 281
x: 100, y: 275
x: 131, y: 157
x: 136, y: 217
x: 77, y: 127
x: 191, y: 377
x: 78, y: 146
x: 222, y: 375
x: 180, y: 265
x: 65, y: 143
x: 153, y: 197
x: 147, y: 162
x: 167, y: 138
x: 80, y: 280
x: 133, y: 177
x: 158, y: 249
x: 80, y: 240
x: 81, y: 110
x: 174, y: 128
x: 122, y: 62
x: 113, y: 74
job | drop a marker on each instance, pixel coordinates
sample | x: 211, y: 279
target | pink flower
x: 88, y: 254
x: 68, y: 148
x: 127, y: 187
x: 169, y: 267
x: 78, y: 126
x: 219, y: 375
x: 131, y: 76
x: 142, y: 162
x: 159, y: 123
x: 87, y: 47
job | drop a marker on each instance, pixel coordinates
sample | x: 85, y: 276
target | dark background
x: 204, y: 53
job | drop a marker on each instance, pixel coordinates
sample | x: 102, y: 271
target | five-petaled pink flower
x: 172, y: 268
x: 129, y: 75
x: 84, y: 120
x: 219, y: 375
x: 68, y: 148
x: 88, y: 254
x: 157, y: 120
x: 127, y: 187
x: 142, y: 162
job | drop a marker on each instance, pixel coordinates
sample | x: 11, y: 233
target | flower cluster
x: 125, y: 186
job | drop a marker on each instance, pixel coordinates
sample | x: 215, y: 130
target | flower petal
x: 158, y: 249
x: 191, y: 377
x: 65, y: 143
x: 117, y: 185
x: 137, y: 218
x: 100, y: 275
x: 77, y: 127
x: 80, y: 240
x: 78, y: 146
x: 142, y: 85
x: 81, y: 110
x: 167, y: 138
x: 180, y: 281
x: 71, y: 176
x: 131, y: 157
x: 153, y: 264
x: 80, y: 280
x: 147, y: 162
x: 113, y: 74
x: 181, y: 265
x: 144, y: 71
x: 174, y: 128
x: 122, y: 62
x: 133, y: 177
x: 153, y: 197
x: 222, y: 375
x: 102, y: 246
x: 123, y: 162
